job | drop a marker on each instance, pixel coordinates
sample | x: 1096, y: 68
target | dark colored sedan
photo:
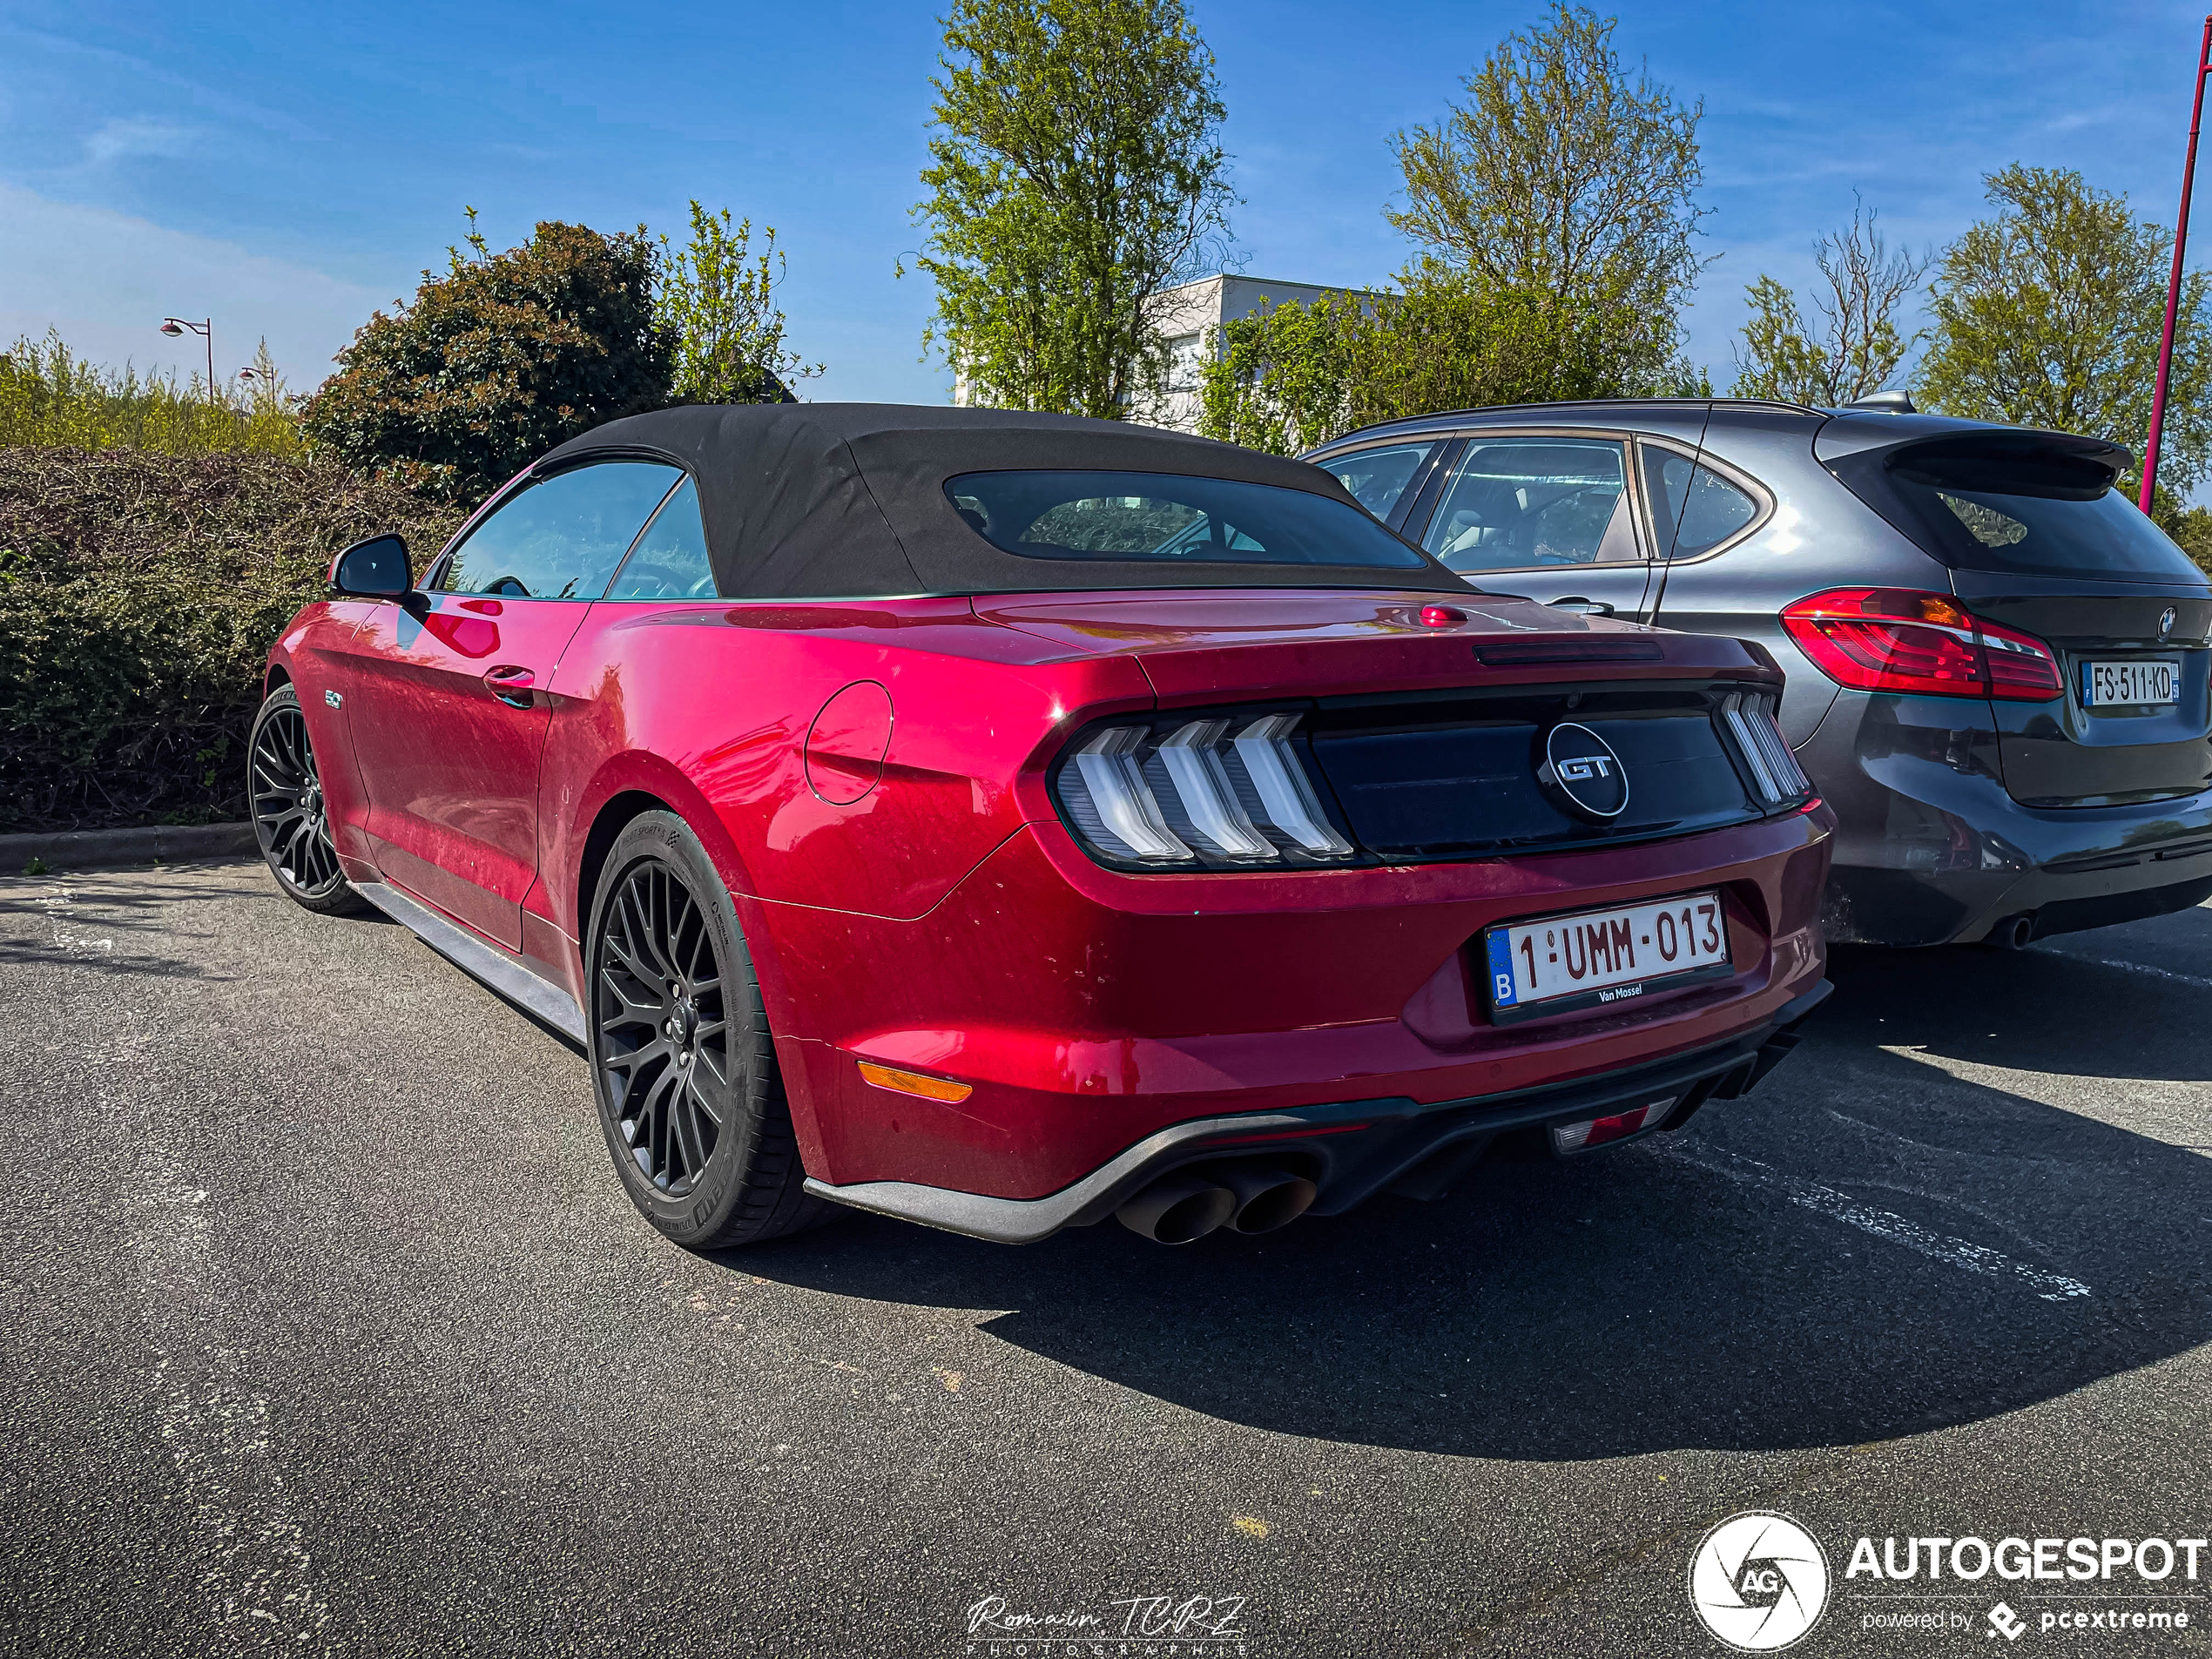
x: 1007, y: 821
x: 1997, y: 665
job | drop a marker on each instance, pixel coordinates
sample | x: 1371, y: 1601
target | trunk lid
x: 2039, y: 538
x: 1227, y: 643
x: 1435, y: 742
x: 2072, y: 751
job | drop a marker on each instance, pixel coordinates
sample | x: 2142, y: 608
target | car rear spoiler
x: 2015, y: 460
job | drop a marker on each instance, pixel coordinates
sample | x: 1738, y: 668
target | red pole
x: 2173, y: 281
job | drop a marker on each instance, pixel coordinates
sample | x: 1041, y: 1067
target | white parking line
x: 256, y: 1571
x: 1841, y: 1206
x: 2198, y: 979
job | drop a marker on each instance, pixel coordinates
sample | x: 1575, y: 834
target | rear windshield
x: 1126, y: 517
x: 2031, y: 515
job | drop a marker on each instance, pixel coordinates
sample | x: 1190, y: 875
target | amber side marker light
x: 914, y: 1082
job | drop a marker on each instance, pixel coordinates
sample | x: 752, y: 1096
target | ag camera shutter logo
x: 1759, y: 1581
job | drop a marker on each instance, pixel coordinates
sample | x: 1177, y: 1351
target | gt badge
x: 1579, y: 770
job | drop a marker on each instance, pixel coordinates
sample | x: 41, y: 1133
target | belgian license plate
x: 1601, y: 956
x: 2138, y: 683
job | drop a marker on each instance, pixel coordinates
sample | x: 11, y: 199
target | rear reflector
x: 914, y: 1083
x: 1596, y: 1132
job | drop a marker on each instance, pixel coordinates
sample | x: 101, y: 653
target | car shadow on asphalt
x: 96, y: 924
x: 99, y: 921
x: 1880, y: 1242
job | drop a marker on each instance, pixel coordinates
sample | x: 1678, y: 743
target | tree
x: 498, y: 359
x: 1076, y: 172
x: 1292, y: 375
x: 1858, y: 346
x: 2048, y: 313
x: 716, y: 298
x: 1562, y: 182
x: 1280, y: 378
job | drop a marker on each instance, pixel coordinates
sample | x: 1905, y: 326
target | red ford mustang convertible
x: 1007, y: 821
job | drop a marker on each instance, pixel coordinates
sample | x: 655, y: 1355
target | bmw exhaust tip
x: 1266, y: 1198
x: 1176, y: 1208
x: 2012, y: 933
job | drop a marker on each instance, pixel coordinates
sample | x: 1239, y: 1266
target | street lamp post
x: 176, y: 328
x: 265, y: 380
x: 2173, y: 281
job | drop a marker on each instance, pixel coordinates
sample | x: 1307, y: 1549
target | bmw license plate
x: 1602, y: 956
x: 2138, y: 683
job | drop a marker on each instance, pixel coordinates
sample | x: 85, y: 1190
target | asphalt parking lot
x: 329, y: 1329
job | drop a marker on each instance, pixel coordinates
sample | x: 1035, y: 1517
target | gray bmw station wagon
x: 1997, y: 667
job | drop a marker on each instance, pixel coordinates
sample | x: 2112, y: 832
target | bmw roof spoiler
x: 1935, y: 441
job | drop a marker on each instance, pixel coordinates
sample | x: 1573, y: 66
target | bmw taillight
x: 1216, y: 791
x: 1900, y: 639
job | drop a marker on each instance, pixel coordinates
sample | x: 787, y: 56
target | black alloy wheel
x: 664, y: 1038
x: 691, y: 1098
x: 291, y: 819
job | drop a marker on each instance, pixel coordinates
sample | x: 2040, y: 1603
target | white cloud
x: 105, y: 280
x: 126, y: 136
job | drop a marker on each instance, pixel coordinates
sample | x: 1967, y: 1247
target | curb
x: 110, y: 849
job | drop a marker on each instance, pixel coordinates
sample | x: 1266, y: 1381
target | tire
x: 683, y: 1068
x: 284, y: 791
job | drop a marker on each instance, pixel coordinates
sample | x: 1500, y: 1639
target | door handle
x: 1583, y: 607
x: 510, y: 684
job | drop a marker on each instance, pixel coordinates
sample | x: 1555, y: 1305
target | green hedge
x: 139, y: 593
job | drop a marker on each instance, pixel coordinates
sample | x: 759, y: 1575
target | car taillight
x: 1899, y: 639
x: 1753, y: 728
x: 1223, y: 791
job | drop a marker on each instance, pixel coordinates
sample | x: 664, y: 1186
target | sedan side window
x: 1377, y: 477
x: 670, y: 561
x: 561, y: 536
x: 1523, y: 503
x: 1694, y: 509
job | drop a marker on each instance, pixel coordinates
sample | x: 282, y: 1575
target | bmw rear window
x: 1145, y: 516
x: 2023, y: 512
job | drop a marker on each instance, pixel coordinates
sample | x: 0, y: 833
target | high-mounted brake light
x: 1899, y: 639
x: 1220, y: 790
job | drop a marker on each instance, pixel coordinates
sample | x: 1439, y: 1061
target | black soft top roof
x: 847, y: 499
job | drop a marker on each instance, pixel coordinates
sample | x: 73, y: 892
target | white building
x: 1189, y: 314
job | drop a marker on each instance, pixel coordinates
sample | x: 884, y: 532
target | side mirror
x: 376, y: 569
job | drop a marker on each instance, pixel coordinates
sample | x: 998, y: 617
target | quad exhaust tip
x: 1176, y: 1208
x: 1189, y: 1203
x: 1266, y: 1198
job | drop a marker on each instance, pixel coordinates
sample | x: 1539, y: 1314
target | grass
x: 49, y: 397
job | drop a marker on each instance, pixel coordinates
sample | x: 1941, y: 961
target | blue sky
x: 287, y: 168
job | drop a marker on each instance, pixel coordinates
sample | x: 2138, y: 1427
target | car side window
x: 1694, y: 509
x: 1377, y: 477
x: 670, y: 561
x: 1524, y: 503
x: 561, y: 536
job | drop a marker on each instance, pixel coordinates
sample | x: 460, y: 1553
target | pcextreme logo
x: 1759, y: 1581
